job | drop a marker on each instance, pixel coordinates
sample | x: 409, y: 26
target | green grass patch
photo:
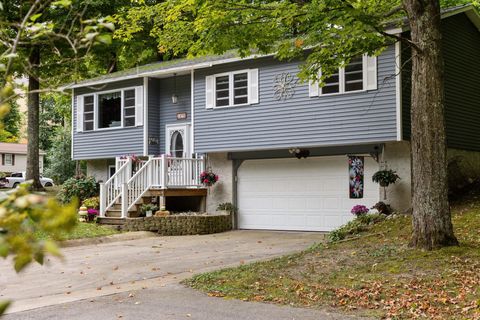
x: 372, y: 272
x: 82, y: 230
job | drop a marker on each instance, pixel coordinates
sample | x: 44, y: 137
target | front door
x: 177, y: 142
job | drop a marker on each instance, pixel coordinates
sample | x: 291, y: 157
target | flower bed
x: 179, y: 225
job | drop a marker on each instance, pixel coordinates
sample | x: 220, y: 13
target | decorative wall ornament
x: 355, y: 170
x: 284, y: 86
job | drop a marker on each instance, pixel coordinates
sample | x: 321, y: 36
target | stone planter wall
x: 176, y: 225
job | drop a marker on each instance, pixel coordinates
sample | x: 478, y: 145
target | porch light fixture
x: 174, y: 95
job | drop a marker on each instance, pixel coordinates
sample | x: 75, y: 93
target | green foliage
x: 360, y: 224
x: 21, y: 215
x: 91, y: 203
x: 148, y: 207
x: 79, y: 188
x: 227, y: 206
x: 385, y: 177
x: 58, y: 164
x: 80, y: 231
x: 12, y: 123
x: 333, y: 31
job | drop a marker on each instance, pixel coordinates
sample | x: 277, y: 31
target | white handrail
x: 161, y: 173
x: 136, y: 186
x: 110, y: 191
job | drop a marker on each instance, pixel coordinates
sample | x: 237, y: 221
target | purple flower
x: 359, y: 209
x: 92, y: 212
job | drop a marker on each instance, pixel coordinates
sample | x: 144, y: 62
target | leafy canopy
x: 326, y: 33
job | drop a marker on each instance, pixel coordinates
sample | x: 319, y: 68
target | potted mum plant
x: 385, y: 178
x: 359, y: 210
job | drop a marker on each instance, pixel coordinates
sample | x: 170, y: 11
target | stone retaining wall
x: 176, y: 225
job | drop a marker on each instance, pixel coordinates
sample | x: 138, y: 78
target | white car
x: 18, y: 177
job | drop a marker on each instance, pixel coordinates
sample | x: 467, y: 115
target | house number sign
x: 181, y: 115
x: 284, y: 86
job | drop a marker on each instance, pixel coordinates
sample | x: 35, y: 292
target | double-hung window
x: 108, y: 110
x: 8, y: 159
x: 232, y: 89
x: 359, y: 75
x: 88, y: 112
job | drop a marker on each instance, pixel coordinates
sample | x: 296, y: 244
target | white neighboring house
x: 14, y: 157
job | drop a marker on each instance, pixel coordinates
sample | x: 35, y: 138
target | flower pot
x: 148, y: 213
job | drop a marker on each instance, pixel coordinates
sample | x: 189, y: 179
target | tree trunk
x: 33, y: 166
x: 432, y: 223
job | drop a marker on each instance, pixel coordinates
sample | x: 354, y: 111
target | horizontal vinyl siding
x: 168, y: 110
x: 154, y: 116
x: 461, y: 50
x: 163, y: 112
x: 352, y: 118
x: 107, y: 143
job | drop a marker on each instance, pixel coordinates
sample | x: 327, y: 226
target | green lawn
x: 376, y: 274
x: 82, y: 230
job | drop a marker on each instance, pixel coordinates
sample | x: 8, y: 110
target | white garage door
x: 307, y: 194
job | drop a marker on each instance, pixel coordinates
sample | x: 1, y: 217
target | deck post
x: 124, y: 199
x: 149, y: 173
x: 164, y: 171
x: 129, y: 169
x: 102, y: 199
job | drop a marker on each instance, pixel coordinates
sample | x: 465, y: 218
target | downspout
x: 192, y: 111
x: 235, y: 166
x: 73, y: 115
x: 145, y: 116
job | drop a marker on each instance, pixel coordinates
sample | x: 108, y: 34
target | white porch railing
x: 110, y: 190
x: 156, y: 173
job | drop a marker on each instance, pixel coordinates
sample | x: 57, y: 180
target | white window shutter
x: 79, y: 113
x: 209, y: 91
x: 253, y: 86
x: 370, y: 72
x: 139, y: 106
x: 314, y: 87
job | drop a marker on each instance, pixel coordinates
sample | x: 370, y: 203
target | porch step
x: 111, y: 221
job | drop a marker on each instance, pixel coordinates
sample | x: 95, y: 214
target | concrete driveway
x: 111, y: 280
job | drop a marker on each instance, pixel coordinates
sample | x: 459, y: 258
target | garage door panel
x: 308, y: 194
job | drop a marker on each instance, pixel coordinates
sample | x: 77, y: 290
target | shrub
x: 360, y: 224
x: 227, y: 206
x: 92, y: 202
x: 79, y: 187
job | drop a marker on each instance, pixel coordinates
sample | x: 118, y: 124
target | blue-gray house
x: 290, y: 155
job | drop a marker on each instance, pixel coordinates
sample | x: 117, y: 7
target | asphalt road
x: 139, y: 279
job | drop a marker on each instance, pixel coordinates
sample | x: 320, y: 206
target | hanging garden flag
x: 355, y: 170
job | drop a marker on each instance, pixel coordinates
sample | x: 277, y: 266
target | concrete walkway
x: 139, y: 279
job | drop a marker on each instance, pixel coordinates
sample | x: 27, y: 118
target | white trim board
x: 145, y: 116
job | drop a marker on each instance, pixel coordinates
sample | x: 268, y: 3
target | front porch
x: 136, y: 182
